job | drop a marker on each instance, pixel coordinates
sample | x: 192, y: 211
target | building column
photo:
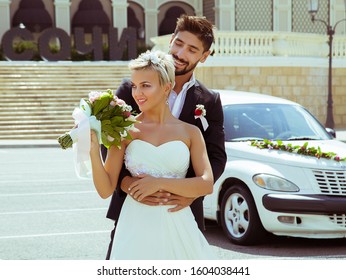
x: 63, y: 15
x: 225, y: 15
x: 5, y: 17
x: 283, y: 15
x: 197, y: 6
x: 151, y: 25
x: 119, y: 15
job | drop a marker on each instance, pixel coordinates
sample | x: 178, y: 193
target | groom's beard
x: 188, y: 68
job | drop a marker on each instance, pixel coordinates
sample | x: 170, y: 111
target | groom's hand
x: 166, y: 198
x: 180, y: 202
x: 158, y: 198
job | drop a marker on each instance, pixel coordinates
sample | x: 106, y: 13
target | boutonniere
x: 200, y: 113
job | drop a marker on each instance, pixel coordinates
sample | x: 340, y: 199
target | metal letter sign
x: 117, y: 49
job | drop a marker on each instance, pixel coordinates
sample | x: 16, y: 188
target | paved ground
x: 46, y: 213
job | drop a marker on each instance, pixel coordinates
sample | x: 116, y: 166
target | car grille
x: 339, y: 220
x: 331, y: 182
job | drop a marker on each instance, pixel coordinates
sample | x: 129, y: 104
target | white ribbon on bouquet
x: 80, y: 135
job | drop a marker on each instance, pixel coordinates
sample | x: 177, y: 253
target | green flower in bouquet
x: 105, y: 113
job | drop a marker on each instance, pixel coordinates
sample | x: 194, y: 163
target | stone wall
x: 302, y: 84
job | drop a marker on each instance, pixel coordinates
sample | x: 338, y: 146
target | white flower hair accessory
x: 200, y: 113
x: 152, y: 57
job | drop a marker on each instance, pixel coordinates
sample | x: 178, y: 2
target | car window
x: 271, y: 121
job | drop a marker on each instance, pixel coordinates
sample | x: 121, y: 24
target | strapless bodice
x: 169, y: 160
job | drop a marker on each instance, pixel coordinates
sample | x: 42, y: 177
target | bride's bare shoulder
x: 191, y: 130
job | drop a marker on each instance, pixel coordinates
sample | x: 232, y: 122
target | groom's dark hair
x: 198, y: 26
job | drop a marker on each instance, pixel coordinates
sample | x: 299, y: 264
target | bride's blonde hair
x: 158, y: 61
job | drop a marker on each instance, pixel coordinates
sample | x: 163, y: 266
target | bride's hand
x: 143, y: 188
x: 157, y: 198
x: 94, y: 144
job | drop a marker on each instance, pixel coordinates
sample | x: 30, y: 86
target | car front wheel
x: 239, y: 217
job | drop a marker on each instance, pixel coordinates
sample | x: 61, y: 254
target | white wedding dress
x: 151, y: 232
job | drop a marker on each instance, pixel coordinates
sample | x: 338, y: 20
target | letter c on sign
x: 44, y: 40
x: 7, y: 44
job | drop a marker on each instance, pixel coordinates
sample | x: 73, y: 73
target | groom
x: 189, y: 45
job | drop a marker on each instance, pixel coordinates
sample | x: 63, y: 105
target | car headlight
x: 274, y: 183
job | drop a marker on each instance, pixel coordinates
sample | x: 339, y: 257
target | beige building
x: 157, y: 17
x: 266, y: 46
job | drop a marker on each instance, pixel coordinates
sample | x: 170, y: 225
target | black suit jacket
x: 214, y: 138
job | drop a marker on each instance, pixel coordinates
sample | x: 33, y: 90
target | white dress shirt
x: 176, y: 101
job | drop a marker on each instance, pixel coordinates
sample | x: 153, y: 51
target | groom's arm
x: 214, y: 136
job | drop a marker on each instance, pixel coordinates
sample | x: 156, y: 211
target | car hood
x: 243, y: 150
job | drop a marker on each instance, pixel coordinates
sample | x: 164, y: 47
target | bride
x: 162, y: 148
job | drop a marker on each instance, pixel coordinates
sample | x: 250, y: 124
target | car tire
x: 239, y: 217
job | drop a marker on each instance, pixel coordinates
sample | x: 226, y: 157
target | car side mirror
x: 331, y: 132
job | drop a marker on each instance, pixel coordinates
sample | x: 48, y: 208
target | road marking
x: 44, y: 193
x: 44, y: 181
x: 54, y: 234
x: 53, y: 211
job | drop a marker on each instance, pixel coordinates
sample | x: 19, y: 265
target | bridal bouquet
x: 103, y: 112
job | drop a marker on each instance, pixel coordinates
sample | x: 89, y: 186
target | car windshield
x: 271, y: 121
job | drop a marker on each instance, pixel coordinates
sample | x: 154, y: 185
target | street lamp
x: 313, y: 6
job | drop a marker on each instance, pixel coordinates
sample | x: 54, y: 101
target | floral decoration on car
x: 200, y: 113
x: 297, y: 149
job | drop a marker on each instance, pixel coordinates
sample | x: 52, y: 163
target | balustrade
x: 269, y: 44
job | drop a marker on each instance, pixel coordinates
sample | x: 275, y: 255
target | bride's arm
x: 106, y: 175
x: 199, y: 185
